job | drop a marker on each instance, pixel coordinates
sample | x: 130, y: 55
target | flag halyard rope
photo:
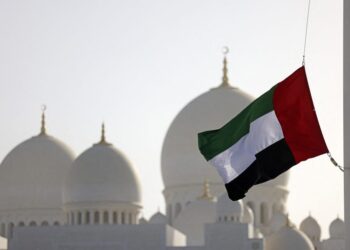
x: 306, y: 30
x: 335, y: 163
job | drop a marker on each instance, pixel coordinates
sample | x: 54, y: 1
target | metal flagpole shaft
x: 346, y: 117
x: 306, y: 29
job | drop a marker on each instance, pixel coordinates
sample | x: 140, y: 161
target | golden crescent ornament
x: 43, y: 108
x: 225, y: 50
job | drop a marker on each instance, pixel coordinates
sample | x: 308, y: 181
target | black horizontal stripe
x: 269, y: 163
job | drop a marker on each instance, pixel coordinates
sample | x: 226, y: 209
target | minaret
x: 346, y: 117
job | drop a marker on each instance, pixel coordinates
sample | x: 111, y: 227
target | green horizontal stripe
x: 212, y: 143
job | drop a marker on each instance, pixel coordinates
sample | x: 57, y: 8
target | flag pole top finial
x: 43, y: 128
x: 225, y: 81
x: 206, y: 195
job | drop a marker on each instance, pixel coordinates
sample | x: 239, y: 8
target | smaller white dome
x: 102, y: 174
x: 158, y: 218
x: 288, y: 238
x: 337, y: 229
x: 32, y: 174
x: 228, y: 210
x: 311, y: 228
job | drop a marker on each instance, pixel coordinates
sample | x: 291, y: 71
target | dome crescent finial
x: 103, y: 140
x: 43, y: 128
x: 103, y: 136
x: 225, y: 81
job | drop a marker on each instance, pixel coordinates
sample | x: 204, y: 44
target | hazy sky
x: 135, y: 64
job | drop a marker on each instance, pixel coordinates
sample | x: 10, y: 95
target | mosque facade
x: 52, y: 200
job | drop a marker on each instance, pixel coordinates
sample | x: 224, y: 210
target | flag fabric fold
x: 275, y: 132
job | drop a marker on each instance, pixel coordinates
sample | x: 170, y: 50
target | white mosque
x: 52, y: 200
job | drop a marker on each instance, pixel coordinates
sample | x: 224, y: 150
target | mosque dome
x: 311, y: 228
x: 228, y: 210
x: 288, y: 238
x: 181, y: 162
x: 32, y: 174
x: 158, y: 218
x: 337, y: 229
x: 102, y: 174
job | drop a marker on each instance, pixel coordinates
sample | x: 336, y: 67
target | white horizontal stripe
x: 263, y: 132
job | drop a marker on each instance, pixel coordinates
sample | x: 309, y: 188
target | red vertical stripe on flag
x: 296, y: 113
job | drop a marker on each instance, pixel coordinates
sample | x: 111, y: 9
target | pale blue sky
x: 135, y: 64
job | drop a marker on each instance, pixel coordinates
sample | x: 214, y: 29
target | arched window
x: 264, y: 213
x: 87, y: 217
x: 21, y: 224
x: 79, y: 218
x: 177, y: 209
x: 10, y: 228
x: 96, y: 217
x: 105, y: 217
x: 72, y: 218
x: 56, y: 223
x: 3, y: 229
x: 32, y: 224
x: 123, y: 218
x: 115, y: 218
x: 44, y: 223
x: 130, y: 218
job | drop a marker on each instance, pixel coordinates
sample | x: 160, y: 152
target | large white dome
x: 181, y: 162
x: 32, y: 174
x: 102, y: 174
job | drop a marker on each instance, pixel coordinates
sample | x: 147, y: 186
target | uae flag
x: 275, y: 132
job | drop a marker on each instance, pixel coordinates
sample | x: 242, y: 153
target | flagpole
x: 346, y: 117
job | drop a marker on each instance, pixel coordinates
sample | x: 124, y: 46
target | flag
x: 275, y: 132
